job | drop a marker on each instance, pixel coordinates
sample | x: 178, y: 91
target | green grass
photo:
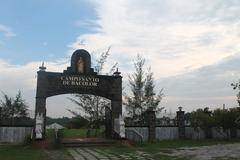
x: 81, y: 133
x: 19, y: 152
x: 15, y: 152
x: 72, y: 133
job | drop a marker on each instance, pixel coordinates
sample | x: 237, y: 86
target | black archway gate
x: 78, y: 78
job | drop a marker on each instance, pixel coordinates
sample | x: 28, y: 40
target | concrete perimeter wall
x: 171, y: 132
x: 166, y: 133
x: 14, y: 134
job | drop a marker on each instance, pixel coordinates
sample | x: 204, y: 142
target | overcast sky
x: 192, y: 45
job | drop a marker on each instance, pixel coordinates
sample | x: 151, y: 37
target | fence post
x: 151, y: 119
x: 180, y: 123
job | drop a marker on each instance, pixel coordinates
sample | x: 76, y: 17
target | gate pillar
x: 116, y: 106
x: 40, y: 118
x: 79, y: 78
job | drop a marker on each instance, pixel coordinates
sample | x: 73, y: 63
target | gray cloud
x: 163, y: 11
x: 188, y: 34
x: 208, y: 86
x: 192, y: 46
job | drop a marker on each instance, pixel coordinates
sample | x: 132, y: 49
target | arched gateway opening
x: 78, y: 78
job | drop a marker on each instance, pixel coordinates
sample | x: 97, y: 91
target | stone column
x: 116, y: 107
x: 151, y: 120
x: 180, y: 123
x: 40, y: 105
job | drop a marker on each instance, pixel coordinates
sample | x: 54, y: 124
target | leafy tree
x: 90, y: 107
x: 202, y: 118
x: 136, y: 81
x: 20, y: 106
x: 60, y: 120
x: 13, y: 107
x: 228, y: 119
x: 151, y: 99
x: 77, y: 122
x: 74, y: 122
x: 7, y: 107
x: 142, y: 89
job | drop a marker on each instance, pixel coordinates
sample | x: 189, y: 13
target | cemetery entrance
x: 79, y: 78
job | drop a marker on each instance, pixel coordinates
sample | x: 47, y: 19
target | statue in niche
x: 80, y: 65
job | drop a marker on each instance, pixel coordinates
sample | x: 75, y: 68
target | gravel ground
x: 223, y: 151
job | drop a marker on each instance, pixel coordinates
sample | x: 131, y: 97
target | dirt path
x: 206, y: 152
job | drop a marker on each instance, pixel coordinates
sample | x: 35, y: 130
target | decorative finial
x: 180, y: 108
x: 42, y: 68
x: 117, y: 73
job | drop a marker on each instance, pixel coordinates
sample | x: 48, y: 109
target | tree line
x: 227, y: 119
